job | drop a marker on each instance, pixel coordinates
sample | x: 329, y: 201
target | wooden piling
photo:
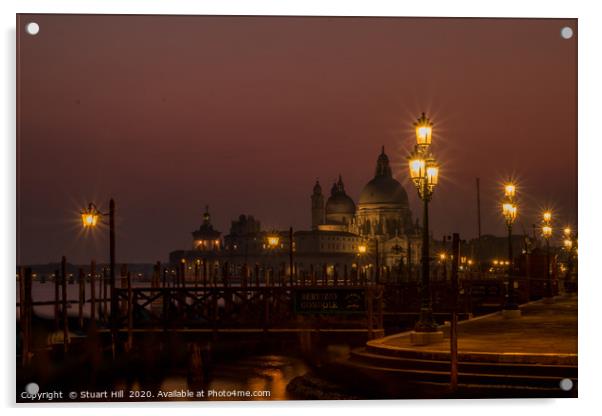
x: 453, y: 338
x: 183, y: 274
x: 27, y: 314
x: 104, y: 295
x: 92, y: 293
x: 57, y: 300
x: 21, y: 293
x: 64, y: 304
x: 370, y: 312
x: 130, y: 313
x: 81, y: 297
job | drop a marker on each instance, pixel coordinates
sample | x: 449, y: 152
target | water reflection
x: 263, y: 373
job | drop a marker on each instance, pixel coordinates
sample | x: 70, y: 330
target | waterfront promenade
x: 497, y: 357
x: 546, y: 333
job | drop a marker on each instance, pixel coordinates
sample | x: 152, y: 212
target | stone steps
x: 473, y: 373
x: 401, y: 362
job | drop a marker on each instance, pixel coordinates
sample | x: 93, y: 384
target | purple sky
x: 169, y: 113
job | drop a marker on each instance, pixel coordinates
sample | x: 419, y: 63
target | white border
x: 590, y: 71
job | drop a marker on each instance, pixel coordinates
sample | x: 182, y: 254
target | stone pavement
x: 545, y: 334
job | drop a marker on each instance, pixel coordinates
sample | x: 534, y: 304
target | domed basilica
x: 376, y: 234
x: 382, y: 217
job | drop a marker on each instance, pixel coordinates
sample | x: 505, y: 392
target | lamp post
x: 273, y: 240
x: 568, y: 246
x: 361, y: 251
x: 510, y: 211
x: 442, y: 260
x: 424, y: 172
x: 546, y: 231
x: 90, y: 219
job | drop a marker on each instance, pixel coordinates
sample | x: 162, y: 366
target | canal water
x: 264, y: 376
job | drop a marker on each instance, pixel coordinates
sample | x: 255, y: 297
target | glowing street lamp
x: 424, y: 172
x: 273, y: 241
x: 90, y: 216
x: 424, y: 131
x: 571, y: 249
x: 547, y: 216
x: 510, y: 212
x: 546, y: 232
x: 90, y: 219
x: 509, y: 190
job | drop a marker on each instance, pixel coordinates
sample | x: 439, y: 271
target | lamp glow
x: 90, y: 216
x: 432, y: 175
x: 546, y: 230
x: 424, y: 131
x: 417, y: 167
x: 510, y: 190
x: 273, y: 241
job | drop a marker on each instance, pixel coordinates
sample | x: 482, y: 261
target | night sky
x: 168, y: 114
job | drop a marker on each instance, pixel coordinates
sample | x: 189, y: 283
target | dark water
x: 261, y: 373
x: 267, y: 374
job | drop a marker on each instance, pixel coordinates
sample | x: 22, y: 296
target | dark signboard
x: 329, y: 300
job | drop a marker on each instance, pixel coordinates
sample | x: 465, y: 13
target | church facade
x: 375, y: 237
x: 382, y: 218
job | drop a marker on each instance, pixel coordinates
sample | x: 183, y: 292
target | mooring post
x: 453, y: 338
x: 92, y: 293
x: 81, y: 298
x: 21, y: 294
x: 370, y: 312
x: 166, y: 300
x: 64, y: 303
x: 130, y: 311
x: 196, y: 274
x: 183, y: 268
x: 57, y: 300
x: 26, y: 317
x: 104, y: 299
x: 266, y: 308
x: 205, y: 274
x: 291, y: 254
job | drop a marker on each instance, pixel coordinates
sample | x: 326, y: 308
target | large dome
x: 383, y: 189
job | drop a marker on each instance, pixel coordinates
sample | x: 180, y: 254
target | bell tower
x: 317, y: 207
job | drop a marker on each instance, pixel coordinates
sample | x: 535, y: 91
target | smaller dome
x: 340, y: 204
